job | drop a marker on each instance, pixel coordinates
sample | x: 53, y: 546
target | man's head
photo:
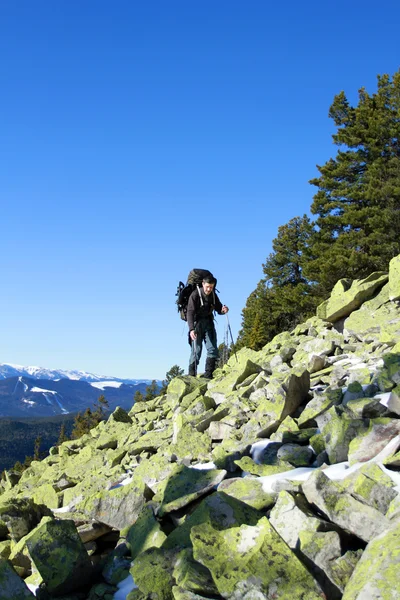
x: 208, y: 285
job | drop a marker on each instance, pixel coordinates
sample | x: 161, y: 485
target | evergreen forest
x: 355, y: 224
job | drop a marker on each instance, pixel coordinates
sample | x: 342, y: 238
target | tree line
x: 355, y: 227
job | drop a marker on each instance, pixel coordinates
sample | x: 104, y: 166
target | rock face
x: 279, y: 478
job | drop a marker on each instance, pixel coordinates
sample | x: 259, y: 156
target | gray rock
x: 376, y: 576
x: 298, y: 456
x: 59, y: 556
x: 341, y: 508
x: 11, y: 585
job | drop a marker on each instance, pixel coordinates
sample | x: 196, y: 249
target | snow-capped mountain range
x: 10, y: 370
x: 38, y: 392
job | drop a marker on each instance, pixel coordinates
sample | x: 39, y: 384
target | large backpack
x: 195, y: 278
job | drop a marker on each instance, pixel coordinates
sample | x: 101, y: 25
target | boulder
x: 21, y: 516
x: 394, y: 278
x: 185, y: 485
x: 342, y: 509
x: 59, y: 556
x: 118, y: 507
x: 248, y: 490
x: 11, y: 585
x: 247, y: 561
x: 348, y: 295
x: 145, y: 533
x: 291, y: 515
x: 220, y: 510
x: 371, y: 441
x: 376, y: 575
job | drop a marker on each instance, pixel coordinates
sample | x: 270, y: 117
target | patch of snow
x: 384, y: 398
x: 257, y: 449
x: 337, y: 471
x: 124, y: 588
x: 33, y: 588
x: 41, y: 390
x: 64, y: 509
x: 103, y: 384
x: 28, y: 401
x: 121, y: 483
x: 357, y: 365
x: 203, y: 466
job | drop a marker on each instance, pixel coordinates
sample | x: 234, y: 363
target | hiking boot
x: 192, y: 369
x: 210, y: 367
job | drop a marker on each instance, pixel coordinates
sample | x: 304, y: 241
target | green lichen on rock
x: 252, y: 558
x: 152, y: 572
x: 377, y: 572
x: 348, y: 295
x: 373, y: 439
x: 185, y: 485
x: 338, y: 433
x: 59, y: 555
x: 117, y: 507
x: 145, y: 533
x: 394, y: 278
x: 248, y: 465
x: 372, y: 486
x: 248, y: 490
x: 220, y: 510
x: 193, y: 576
x: 320, y: 403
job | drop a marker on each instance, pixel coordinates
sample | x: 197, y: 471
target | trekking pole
x: 195, y: 356
x: 230, y: 331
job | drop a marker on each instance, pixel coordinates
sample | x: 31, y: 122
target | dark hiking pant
x: 205, y: 333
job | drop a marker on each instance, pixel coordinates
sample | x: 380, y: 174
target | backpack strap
x: 200, y: 296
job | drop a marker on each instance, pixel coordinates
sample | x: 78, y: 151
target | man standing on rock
x: 202, y: 303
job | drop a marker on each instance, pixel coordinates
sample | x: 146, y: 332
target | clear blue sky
x: 141, y: 139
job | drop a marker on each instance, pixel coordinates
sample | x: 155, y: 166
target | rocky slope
x: 277, y: 479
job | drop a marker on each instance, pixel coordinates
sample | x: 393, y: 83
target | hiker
x: 202, y: 302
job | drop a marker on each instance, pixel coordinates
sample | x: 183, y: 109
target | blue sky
x: 139, y: 140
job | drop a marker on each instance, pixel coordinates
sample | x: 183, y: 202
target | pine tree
x: 62, y: 437
x: 358, y: 199
x: 284, y: 297
x: 151, y: 391
x: 101, y: 408
x: 138, y: 396
x: 36, y: 449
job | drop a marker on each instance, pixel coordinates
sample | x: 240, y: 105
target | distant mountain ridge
x: 11, y: 370
x: 37, y: 392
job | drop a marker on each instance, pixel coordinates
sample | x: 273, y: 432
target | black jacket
x: 196, y: 310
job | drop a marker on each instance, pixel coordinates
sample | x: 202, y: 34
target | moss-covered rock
x: 371, y: 485
x: 342, y: 509
x: 376, y: 575
x: 320, y: 403
x: 369, y: 442
x: 152, y: 572
x: 220, y: 510
x: 193, y: 576
x: 60, y: 557
x: 248, y: 490
x: 348, y: 295
x: 394, y: 278
x: 250, y: 559
x: 118, y: 507
x: 21, y: 516
x: 248, y: 465
x: 185, y: 485
x: 144, y: 533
